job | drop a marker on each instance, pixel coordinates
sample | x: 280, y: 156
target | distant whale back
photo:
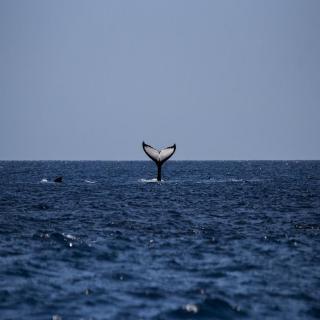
x: 159, y: 157
x: 58, y: 179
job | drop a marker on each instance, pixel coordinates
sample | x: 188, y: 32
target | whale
x: 58, y: 179
x: 159, y: 157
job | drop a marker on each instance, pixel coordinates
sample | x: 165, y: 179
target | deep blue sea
x: 214, y: 240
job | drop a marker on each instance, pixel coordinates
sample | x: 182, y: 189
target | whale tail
x: 159, y: 157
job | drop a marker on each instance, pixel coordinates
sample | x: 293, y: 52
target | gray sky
x: 221, y: 79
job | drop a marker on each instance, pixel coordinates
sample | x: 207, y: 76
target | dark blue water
x: 215, y: 240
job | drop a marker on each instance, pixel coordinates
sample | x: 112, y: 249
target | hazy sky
x: 221, y: 79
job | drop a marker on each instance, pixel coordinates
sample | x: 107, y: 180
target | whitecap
x: 69, y: 236
x: 89, y: 181
x: 235, y: 180
x: 190, y: 307
x: 44, y: 180
x: 150, y: 180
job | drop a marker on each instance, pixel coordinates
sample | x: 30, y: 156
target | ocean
x: 214, y: 240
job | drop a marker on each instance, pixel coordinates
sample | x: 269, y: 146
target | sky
x: 224, y: 80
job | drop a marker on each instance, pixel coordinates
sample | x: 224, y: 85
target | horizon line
x: 177, y: 160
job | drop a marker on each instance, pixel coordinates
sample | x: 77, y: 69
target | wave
x: 209, y: 308
x: 231, y: 180
x: 64, y: 239
x: 203, y: 181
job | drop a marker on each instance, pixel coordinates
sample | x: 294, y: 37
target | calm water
x: 215, y: 240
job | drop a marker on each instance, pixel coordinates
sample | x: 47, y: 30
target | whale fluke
x: 159, y: 157
x: 58, y: 179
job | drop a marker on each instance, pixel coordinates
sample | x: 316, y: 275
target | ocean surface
x: 214, y: 240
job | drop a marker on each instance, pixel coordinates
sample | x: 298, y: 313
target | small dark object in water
x: 58, y: 179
